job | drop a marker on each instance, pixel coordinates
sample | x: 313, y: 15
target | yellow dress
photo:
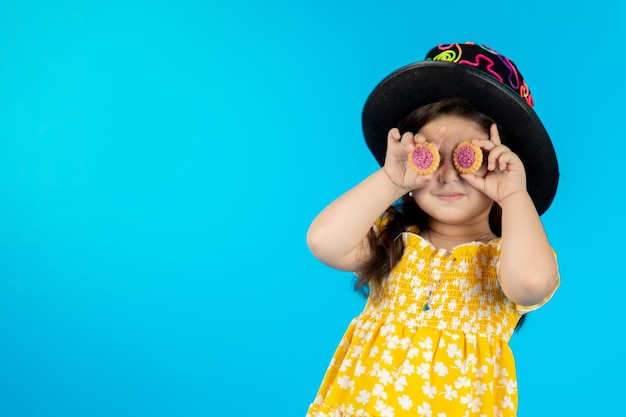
x: 434, y: 345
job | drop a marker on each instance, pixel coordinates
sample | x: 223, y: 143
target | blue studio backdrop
x: 160, y: 162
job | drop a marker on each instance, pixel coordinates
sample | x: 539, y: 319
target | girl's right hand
x: 397, y: 165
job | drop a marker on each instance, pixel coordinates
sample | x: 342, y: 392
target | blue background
x: 160, y: 162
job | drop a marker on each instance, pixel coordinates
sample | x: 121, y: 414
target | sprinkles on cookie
x: 467, y: 157
x: 425, y: 158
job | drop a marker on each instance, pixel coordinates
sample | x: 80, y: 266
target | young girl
x: 451, y: 260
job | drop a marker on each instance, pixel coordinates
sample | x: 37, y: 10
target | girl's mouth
x: 450, y: 197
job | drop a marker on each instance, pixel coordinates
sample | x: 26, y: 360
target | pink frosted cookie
x: 424, y: 159
x: 467, y: 157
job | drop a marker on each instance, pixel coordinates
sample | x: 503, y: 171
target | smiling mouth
x: 451, y: 197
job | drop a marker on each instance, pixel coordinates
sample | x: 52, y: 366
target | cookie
x: 424, y: 159
x: 467, y: 157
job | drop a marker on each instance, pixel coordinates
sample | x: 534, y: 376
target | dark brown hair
x: 385, y: 249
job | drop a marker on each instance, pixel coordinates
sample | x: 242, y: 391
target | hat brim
x: 415, y: 85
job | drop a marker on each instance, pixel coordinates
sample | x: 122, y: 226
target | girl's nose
x: 447, y: 172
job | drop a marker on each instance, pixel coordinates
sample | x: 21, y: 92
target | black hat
x: 495, y: 87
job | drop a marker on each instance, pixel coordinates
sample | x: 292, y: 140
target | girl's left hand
x: 505, y: 173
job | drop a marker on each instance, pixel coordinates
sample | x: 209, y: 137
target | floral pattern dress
x: 434, y: 345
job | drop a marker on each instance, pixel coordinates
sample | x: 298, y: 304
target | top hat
x: 495, y: 87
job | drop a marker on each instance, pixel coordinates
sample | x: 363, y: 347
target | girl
x: 456, y: 259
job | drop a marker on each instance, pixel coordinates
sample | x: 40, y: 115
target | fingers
x: 494, y: 135
x: 394, y: 134
x: 494, y: 149
x: 439, y: 137
x: 475, y: 181
x: 409, y: 140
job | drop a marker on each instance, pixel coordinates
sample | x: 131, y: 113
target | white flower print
x: 374, y: 351
x: 385, y: 377
x: 462, y: 382
x: 482, y: 298
x: 463, y: 266
x: 436, y: 275
x: 507, y: 403
x: 387, y: 328
x: 347, y: 363
x: 510, y: 384
x: 375, y: 370
x: 454, y: 351
x: 411, y: 323
x: 462, y: 366
x: 405, y: 402
x: 387, y: 357
x: 400, y: 383
x: 424, y: 410
x: 480, y: 387
x: 471, y: 359
x: 463, y: 284
x: 472, y: 403
x: 363, y: 397
x: 478, y: 271
x: 356, y: 351
x: 429, y: 390
x: 413, y: 352
x: 421, y: 265
x: 406, y: 368
x: 379, y: 391
x: 359, y: 369
x: 440, y: 369
x: 499, y: 352
x: 423, y: 370
x: 481, y: 371
x: 405, y: 342
x: 450, y: 393
x: 454, y: 336
x: 384, y: 409
x: 428, y: 355
x: 393, y: 342
x: 426, y: 343
x: 496, y: 367
x: 345, y: 382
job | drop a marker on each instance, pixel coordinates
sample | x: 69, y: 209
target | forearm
x: 528, y: 267
x: 338, y: 235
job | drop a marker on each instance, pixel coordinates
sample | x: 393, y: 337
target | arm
x: 528, y: 270
x: 338, y: 235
